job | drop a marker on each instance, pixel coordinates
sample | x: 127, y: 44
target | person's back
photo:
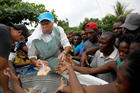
x: 8, y: 34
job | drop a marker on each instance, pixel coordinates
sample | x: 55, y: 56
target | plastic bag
x: 44, y: 70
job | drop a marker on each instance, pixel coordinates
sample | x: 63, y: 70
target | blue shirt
x: 80, y: 48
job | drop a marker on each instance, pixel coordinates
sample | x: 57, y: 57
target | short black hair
x: 20, y: 27
x: 133, y: 68
x: 77, y: 34
x: 127, y: 38
x: 111, y: 35
x: 120, y: 20
x: 20, y: 47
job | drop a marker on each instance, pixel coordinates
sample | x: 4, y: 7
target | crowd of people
x: 110, y: 56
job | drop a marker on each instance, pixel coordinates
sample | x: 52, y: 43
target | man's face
x: 117, y: 29
x: 16, y: 34
x: 84, y: 35
x: 92, y: 34
x: 104, y: 43
x: 46, y: 26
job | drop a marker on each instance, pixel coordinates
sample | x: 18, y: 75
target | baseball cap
x: 46, y: 16
x: 132, y: 21
x: 91, y: 25
x: 20, y: 27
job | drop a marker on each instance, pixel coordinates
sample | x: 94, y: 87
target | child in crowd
x: 21, y: 59
x: 76, y: 41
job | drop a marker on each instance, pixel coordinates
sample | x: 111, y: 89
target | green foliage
x: 15, y: 11
x: 95, y: 20
x: 108, y: 21
x: 64, y: 25
x: 121, y: 10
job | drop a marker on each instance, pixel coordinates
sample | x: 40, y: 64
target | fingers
x: 38, y: 64
x: 87, y: 62
x: 60, y: 70
x: 6, y: 73
x: 45, y: 63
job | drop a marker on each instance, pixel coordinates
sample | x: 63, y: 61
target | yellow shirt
x: 20, y: 60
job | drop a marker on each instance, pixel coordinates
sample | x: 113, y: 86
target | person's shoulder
x: 97, y: 53
x: 86, y: 43
x: 4, y: 29
x: 58, y: 27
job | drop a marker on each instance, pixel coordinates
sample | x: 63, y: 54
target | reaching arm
x: 75, y: 85
x: 14, y: 80
x: 98, y: 70
x: 90, y: 51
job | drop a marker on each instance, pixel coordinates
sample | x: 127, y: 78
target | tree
x: 64, y: 25
x: 16, y: 11
x: 121, y: 10
x: 87, y: 20
x: 108, y: 21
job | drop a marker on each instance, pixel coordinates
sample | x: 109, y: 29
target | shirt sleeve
x: 93, y: 63
x: 32, y: 51
x: 5, y: 43
x: 64, y: 40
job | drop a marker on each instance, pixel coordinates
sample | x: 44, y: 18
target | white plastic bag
x: 44, y: 70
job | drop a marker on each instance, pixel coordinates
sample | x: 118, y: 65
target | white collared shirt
x: 99, y: 60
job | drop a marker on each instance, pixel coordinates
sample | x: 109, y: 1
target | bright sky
x: 77, y: 10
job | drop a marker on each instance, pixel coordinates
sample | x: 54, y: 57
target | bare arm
x: 14, y: 80
x: 90, y: 51
x: 99, y: 70
x: 3, y: 78
x: 76, y: 58
x: 75, y: 85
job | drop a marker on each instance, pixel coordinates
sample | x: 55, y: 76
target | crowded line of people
x: 111, y: 56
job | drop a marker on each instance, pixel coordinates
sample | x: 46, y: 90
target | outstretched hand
x: 15, y: 79
x: 38, y: 63
x: 84, y: 58
x: 62, y: 67
x: 62, y: 85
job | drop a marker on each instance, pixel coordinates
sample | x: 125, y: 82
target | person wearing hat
x: 92, y: 33
x: 132, y: 23
x: 8, y: 35
x: 45, y: 41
